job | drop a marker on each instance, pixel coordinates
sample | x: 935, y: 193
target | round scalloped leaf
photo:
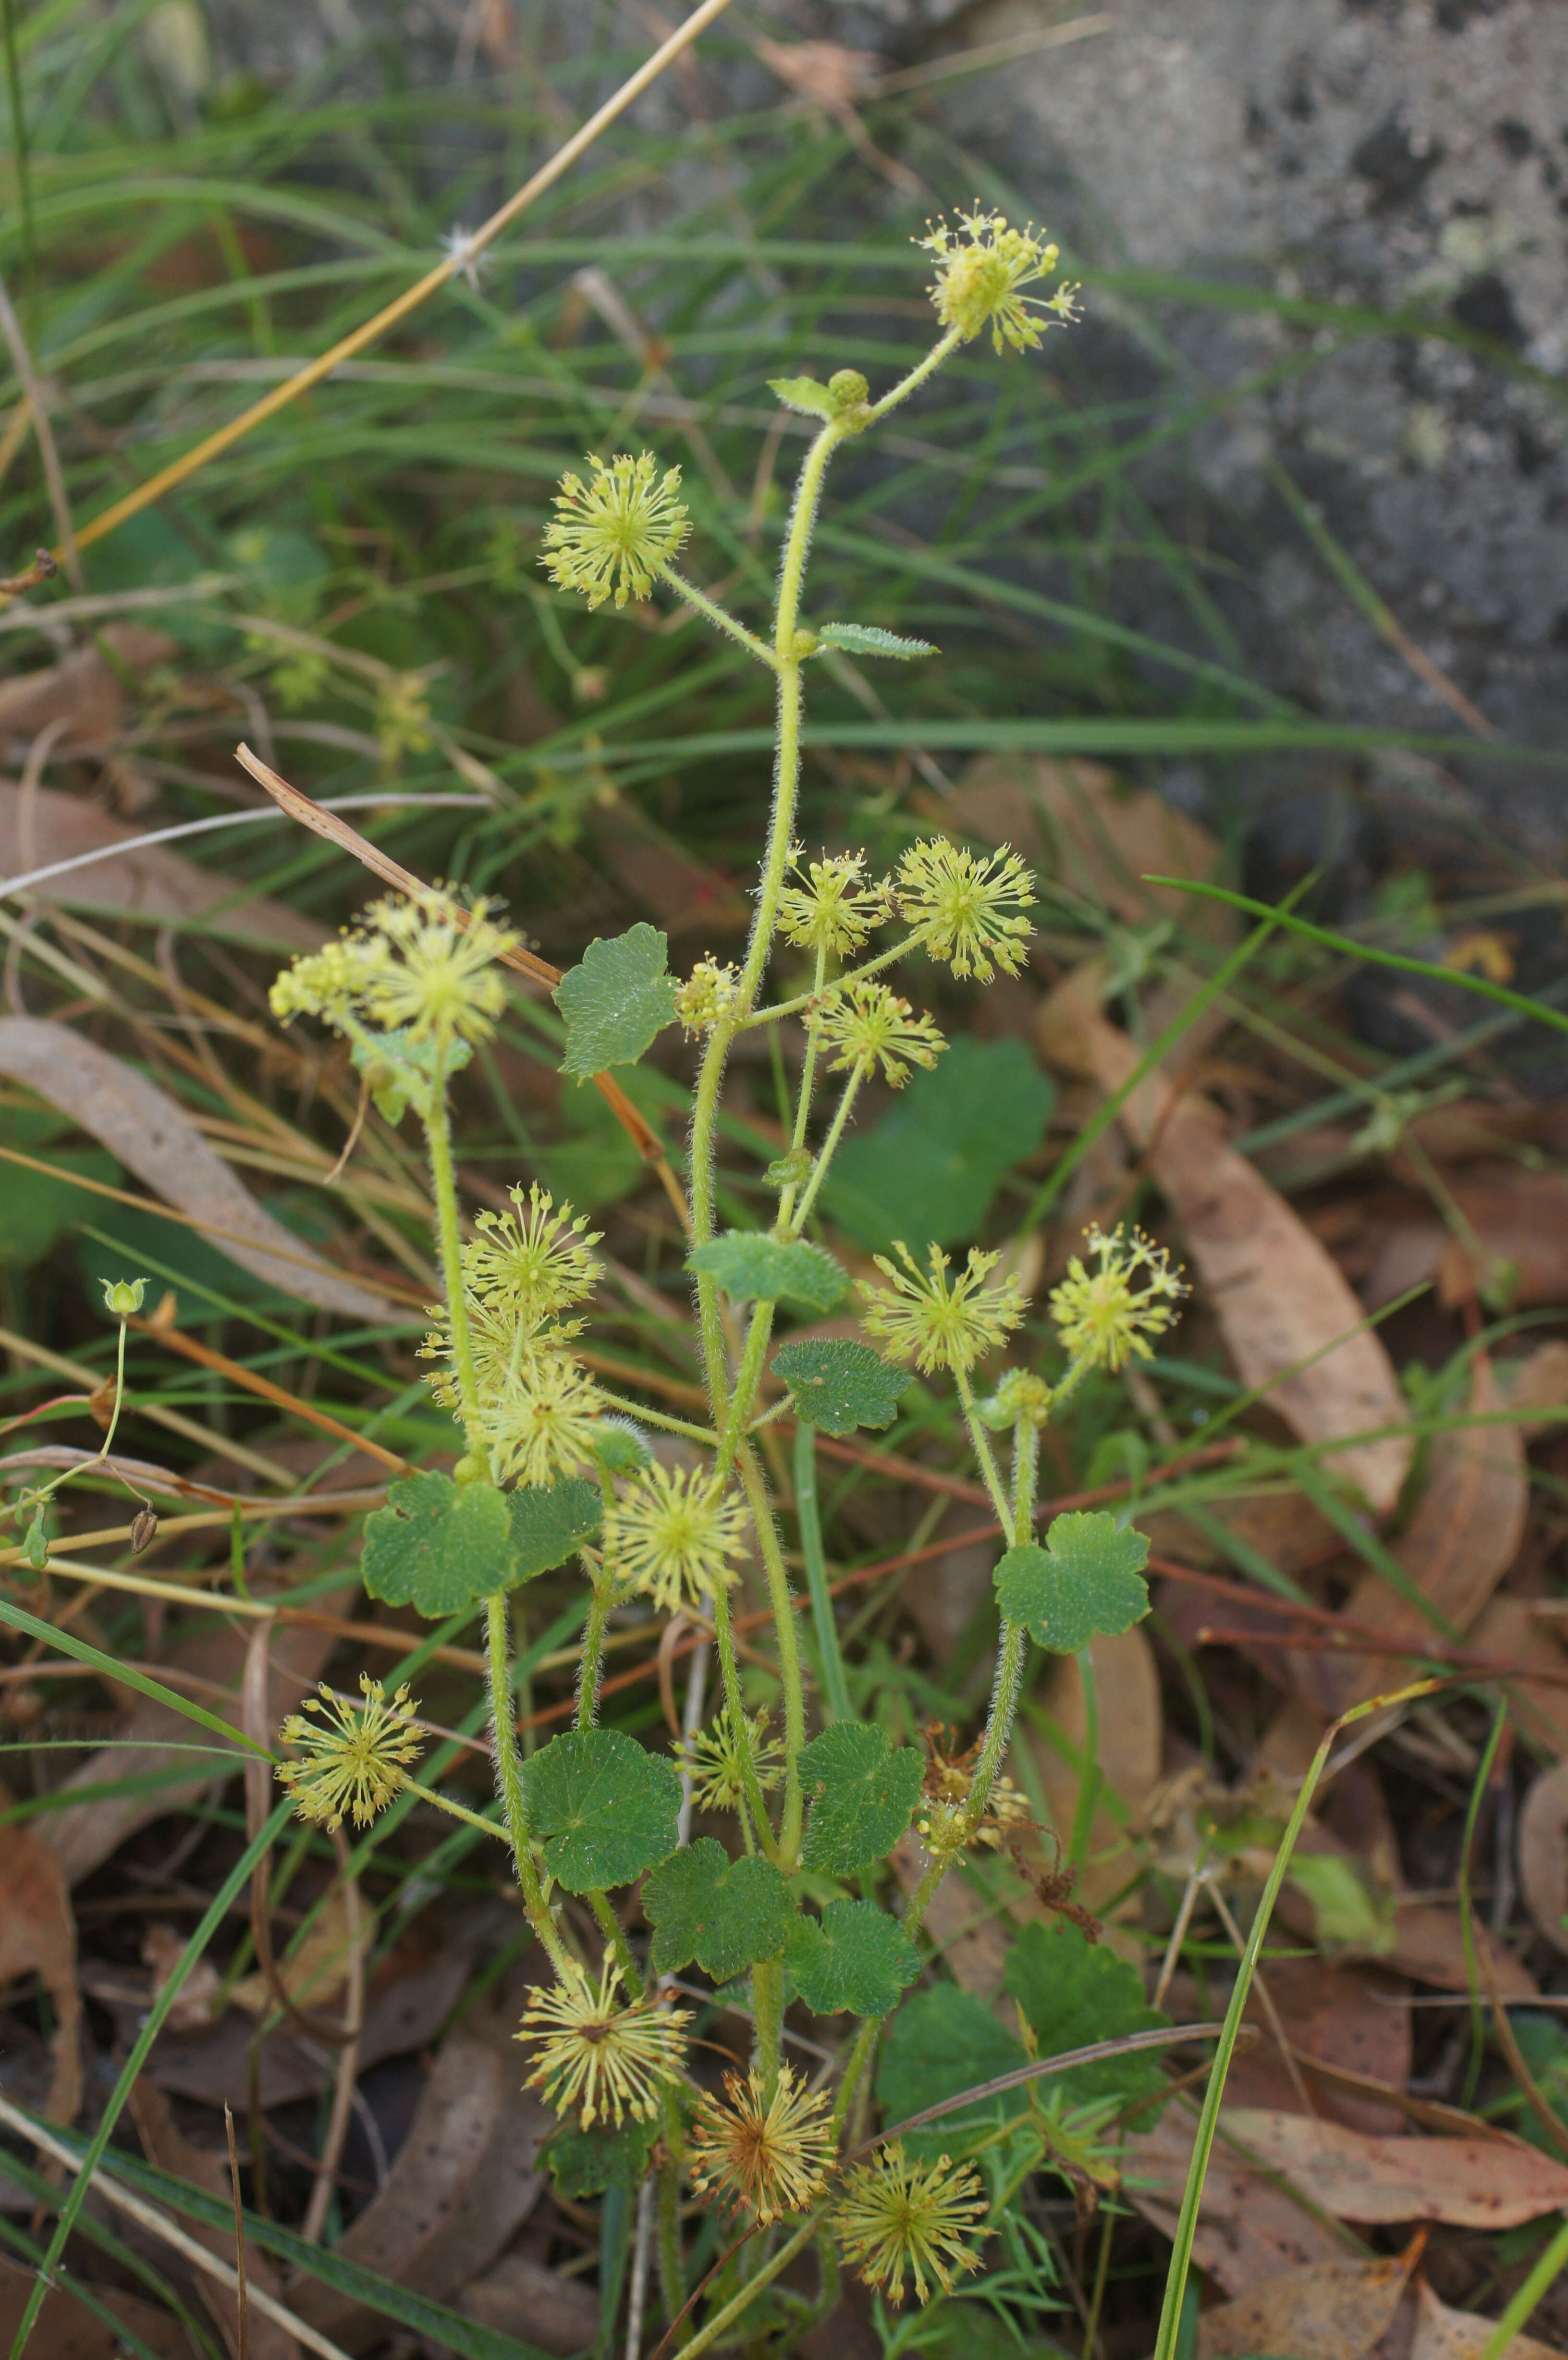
x: 1085, y: 1583
x: 437, y: 1546
x: 752, y: 1268
x: 601, y: 1807
x: 1073, y: 1993
x: 550, y: 1521
x: 838, y: 1385
x: 862, y: 1792
x: 584, y: 2163
x: 615, y: 1001
x: 853, y: 1957
x: 724, y: 1914
x: 944, y: 2040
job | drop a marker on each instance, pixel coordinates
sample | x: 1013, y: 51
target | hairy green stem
x: 835, y: 1687
x: 749, y: 1377
x: 828, y: 1149
x: 509, y: 1780
x: 984, y: 1456
x: 720, y: 618
x: 438, y: 1135
x: 851, y: 974
x: 767, y: 2008
x: 740, y: 1728
x: 588, y: 1670
x: 780, y: 1599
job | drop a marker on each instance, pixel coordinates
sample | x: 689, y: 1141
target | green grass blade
x: 218, y: 1909
x: 128, y: 1674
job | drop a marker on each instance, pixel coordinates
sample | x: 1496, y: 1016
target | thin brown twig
x: 28, y: 377
x: 241, y: 2308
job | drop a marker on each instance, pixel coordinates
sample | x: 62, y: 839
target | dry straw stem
x: 179, y: 471
x: 147, y: 2217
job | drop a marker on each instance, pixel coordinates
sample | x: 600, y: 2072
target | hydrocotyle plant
x: 554, y: 1467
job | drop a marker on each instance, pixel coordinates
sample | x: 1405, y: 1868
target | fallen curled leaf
x: 207, y: 2168
x: 66, y: 2330
x: 1470, y: 2183
x: 1510, y: 1632
x: 462, y: 2183
x: 156, y: 1139
x: 1428, y: 1944
x: 163, y: 1946
x: 38, y: 1936
x: 521, y: 2298
x: 150, y: 881
x: 1346, y: 2015
x: 1284, y: 1308
x: 1126, y: 1681
x: 825, y: 72
x: 316, y: 1972
x: 1442, y: 2333
x: 1250, y: 2227
x: 1329, y: 2310
x: 1461, y: 1540
x: 1543, y: 1854
x: 84, y: 689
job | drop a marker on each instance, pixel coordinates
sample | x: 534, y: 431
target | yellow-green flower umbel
x: 535, y: 1260
x: 353, y: 1759
x: 602, y: 2058
x: 967, y: 910
x: 898, y: 2217
x: 765, y: 2160
x: 869, y: 1025
x: 1107, y: 1315
x: 428, y: 968
x: 831, y: 907
x: 919, y: 1316
x: 672, y: 1535
x: 982, y: 268
x: 615, y: 533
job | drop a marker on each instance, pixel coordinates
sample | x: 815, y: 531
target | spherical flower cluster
x: 980, y: 273
x: 706, y: 996
x: 533, y: 1260
x: 765, y: 2160
x: 426, y: 967
x: 920, y: 1316
x: 1106, y: 1316
x: 602, y: 2058
x: 897, y: 2216
x: 616, y: 532
x: 964, y: 909
x: 830, y: 907
x: 355, y: 1759
x: 869, y: 1025
x: 545, y: 1423
x: 714, y: 1760
x: 1021, y: 1399
x: 672, y: 1534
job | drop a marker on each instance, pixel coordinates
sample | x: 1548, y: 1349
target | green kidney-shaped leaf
x: 584, y: 2163
x: 855, y: 1956
x: 941, y: 2042
x: 752, y: 1268
x: 437, y: 1544
x: 1074, y: 1992
x: 603, y: 1808
x: 868, y: 639
x: 550, y: 1521
x: 724, y: 1914
x: 1085, y: 1583
x: 839, y: 1385
x: 861, y: 1791
x: 615, y: 1001
x: 928, y: 1171
x: 804, y: 394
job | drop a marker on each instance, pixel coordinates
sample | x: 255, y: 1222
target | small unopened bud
x: 144, y: 1531
x: 123, y: 1297
x: 591, y: 685
x: 37, y: 1543
x: 848, y: 388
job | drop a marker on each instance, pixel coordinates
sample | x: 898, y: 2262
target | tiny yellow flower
x: 508, y: 1349
x: 714, y: 1761
x: 920, y: 1318
x: 869, y: 1025
x: 617, y: 531
x: 766, y: 2160
x: 897, y: 2216
x: 356, y: 1761
x: 1104, y: 1315
x: 545, y: 1423
x: 979, y: 275
x: 534, y: 1260
x: 831, y: 907
x: 425, y: 967
x: 706, y: 996
x: 966, y: 909
x: 672, y: 1534
x: 602, y: 2058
